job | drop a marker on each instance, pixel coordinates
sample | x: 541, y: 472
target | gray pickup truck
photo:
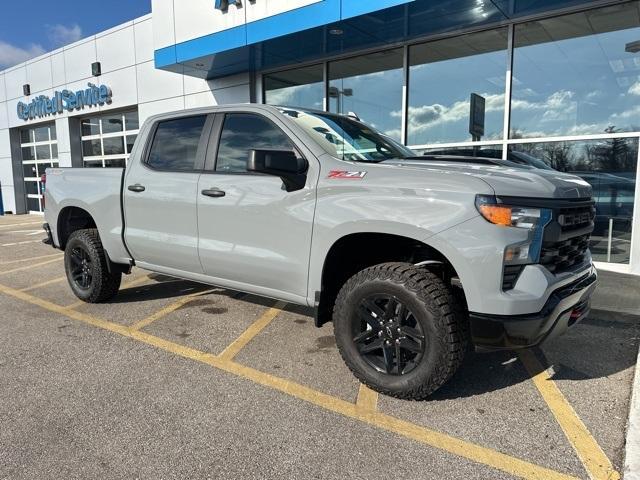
x: 415, y: 259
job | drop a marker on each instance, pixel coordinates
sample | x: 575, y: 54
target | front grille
x: 561, y: 256
x: 575, y: 218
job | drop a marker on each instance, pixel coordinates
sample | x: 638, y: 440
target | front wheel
x: 400, y: 330
x: 85, y: 263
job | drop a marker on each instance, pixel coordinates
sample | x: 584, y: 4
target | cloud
x: 634, y: 89
x: 426, y: 117
x: 11, y: 55
x: 60, y: 35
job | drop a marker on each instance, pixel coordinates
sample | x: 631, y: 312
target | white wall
x: 126, y: 54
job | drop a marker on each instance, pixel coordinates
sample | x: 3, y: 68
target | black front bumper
x: 565, y: 307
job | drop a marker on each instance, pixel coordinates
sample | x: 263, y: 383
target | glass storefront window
x: 39, y: 151
x: 112, y: 123
x: 371, y: 87
x: 302, y: 87
x: 443, y: 75
x: 42, y: 134
x: 90, y: 126
x: 574, y: 75
x: 131, y: 121
x: 43, y: 152
x: 103, y: 138
x: 610, y: 167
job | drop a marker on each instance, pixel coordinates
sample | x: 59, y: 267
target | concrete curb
x: 632, y: 453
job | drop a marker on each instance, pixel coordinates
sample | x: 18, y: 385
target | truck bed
x: 97, y: 191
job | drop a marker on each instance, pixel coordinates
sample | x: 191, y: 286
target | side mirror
x: 280, y: 163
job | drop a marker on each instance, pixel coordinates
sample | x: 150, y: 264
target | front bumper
x: 565, y: 307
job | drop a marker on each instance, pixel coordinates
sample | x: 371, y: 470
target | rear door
x: 254, y: 233
x: 161, y: 193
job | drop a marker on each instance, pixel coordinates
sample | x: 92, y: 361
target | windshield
x: 346, y: 138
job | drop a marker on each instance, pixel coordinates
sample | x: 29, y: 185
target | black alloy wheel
x: 81, y: 268
x: 387, y: 335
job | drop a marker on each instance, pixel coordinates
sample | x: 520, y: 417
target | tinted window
x: 444, y: 74
x: 302, y: 87
x: 242, y: 133
x: 577, y: 74
x: 176, y: 143
x: 371, y: 87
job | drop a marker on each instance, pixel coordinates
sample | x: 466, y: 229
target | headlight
x: 508, y: 215
x: 532, y: 219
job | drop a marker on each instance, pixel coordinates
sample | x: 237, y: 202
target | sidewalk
x: 621, y: 294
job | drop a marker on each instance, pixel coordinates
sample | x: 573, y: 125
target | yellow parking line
x: 367, y: 398
x: 462, y: 448
x: 43, y: 284
x: 31, y: 259
x: 168, y: 309
x: 29, y: 267
x: 259, y: 325
x: 594, y: 459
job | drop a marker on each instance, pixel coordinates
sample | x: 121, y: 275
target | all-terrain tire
x: 103, y: 284
x: 432, y: 304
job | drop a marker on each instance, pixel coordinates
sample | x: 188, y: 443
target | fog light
x: 516, y: 253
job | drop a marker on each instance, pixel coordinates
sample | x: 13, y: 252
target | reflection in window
x: 90, y: 126
x: 112, y: 123
x: 486, y: 151
x: 610, y: 167
x: 242, y: 133
x: 175, y: 144
x: 113, y: 146
x: 573, y: 75
x: 371, y: 87
x: 443, y: 75
x: 302, y: 87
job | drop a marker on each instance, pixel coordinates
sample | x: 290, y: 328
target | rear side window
x: 243, y: 132
x: 175, y: 144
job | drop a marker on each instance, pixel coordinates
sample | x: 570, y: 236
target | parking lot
x: 174, y: 379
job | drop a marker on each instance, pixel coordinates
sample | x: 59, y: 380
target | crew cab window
x: 175, y: 144
x: 243, y: 132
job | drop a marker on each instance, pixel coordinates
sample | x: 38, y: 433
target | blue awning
x: 332, y: 27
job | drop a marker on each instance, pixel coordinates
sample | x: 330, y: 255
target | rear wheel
x: 400, y: 330
x: 87, y: 269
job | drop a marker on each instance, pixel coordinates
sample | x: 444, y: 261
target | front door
x: 161, y: 193
x: 253, y: 232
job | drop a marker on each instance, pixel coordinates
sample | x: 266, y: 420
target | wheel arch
x: 71, y: 219
x: 356, y: 251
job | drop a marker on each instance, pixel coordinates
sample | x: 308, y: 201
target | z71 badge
x: 346, y: 175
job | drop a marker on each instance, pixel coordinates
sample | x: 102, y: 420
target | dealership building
x: 550, y: 83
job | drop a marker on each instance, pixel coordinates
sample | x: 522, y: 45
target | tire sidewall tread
x: 434, y: 306
x: 105, y: 284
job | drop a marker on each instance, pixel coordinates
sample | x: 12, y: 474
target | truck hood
x: 508, y: 181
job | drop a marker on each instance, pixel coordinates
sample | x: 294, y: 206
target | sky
x: 33, y: 27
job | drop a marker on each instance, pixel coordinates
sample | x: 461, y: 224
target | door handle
x: 136, y: 188
x: 213, y: 192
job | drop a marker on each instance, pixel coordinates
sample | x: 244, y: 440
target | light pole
x: 335, y: 92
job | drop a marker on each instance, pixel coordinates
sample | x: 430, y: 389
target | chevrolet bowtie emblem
x: 224, y: 4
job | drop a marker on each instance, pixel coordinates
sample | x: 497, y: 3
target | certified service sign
x: 65, y: 100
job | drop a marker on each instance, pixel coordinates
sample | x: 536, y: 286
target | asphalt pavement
x: 174, y: 379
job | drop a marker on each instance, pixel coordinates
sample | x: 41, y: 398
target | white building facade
x: 558, y: 82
